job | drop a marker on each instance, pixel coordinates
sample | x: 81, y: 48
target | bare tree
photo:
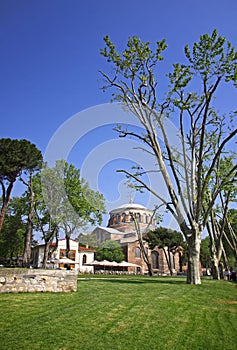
x: 140, y: 237
x: 187, y: 171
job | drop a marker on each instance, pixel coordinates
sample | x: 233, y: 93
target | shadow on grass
x: 162, y: 280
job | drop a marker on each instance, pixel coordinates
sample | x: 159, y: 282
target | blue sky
x: 50, y: 61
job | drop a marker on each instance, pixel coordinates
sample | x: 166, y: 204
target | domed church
x: 122, y: 218
x: 121, y: 228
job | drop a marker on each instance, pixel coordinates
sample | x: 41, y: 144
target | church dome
x: 128, y: 206
x: 122, y: 220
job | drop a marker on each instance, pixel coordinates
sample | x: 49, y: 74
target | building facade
x: 121, y: 228
x: 78, y: 256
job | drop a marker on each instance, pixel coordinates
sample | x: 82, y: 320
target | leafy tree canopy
x: 68, y: 198
x: 17, y: 156
x: 13, y: 231
x: 192, y: 169
x: 111, y: 251
x: 164, y: 237
x: 205, y: 254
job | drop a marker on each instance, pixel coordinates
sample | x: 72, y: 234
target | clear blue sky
x: 50, y: 59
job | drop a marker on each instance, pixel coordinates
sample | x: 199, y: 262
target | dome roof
x: 128, y: 206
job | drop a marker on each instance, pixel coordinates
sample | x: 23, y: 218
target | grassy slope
x: 129, y: 313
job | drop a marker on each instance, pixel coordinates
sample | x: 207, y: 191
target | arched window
x: 84, y: 259
x: 155, y: 260
x: 172, y: 261
x: 137, y: 252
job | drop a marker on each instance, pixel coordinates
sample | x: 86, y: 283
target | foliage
x: 165, y: 237
x: 111, y: 251
x: 13, y: 231
x: 88, y: 239
x: 189, y: 169
x: 68, y: 198
x: 205, y: 253
x: 109, y: 314
x: 64, y: 201
x: 230, y: 237
x: 16, y: 157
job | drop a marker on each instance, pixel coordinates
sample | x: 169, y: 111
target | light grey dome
x: 128, y: 206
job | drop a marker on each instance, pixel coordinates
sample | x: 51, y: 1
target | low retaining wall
x: 30, y: 280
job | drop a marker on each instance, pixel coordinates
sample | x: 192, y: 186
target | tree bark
x: 46, y: 254
x: 194, y: 245
x: 6, y: 198
x: 167, y: 257
x: 215, y: 268
x: 29, y: 230
x: 67, y: 245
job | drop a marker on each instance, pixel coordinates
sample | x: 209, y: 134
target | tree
x: 88, y: 240
x: 230, y: 237
x: 140, y: 235
x: 187, y: 171
x: 111, y: 251
x: 168, y: 240
x: 43, y: 222
x: 16, y: 157
x: 217, y: 220
x: 205, y: 255
x: 13, y: 231
x: 69, y: 200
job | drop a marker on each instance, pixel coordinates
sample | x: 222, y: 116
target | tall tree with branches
x: 16, y: 157
x: 187, y: 173
x: 217, y: 220
x: 69, y: 200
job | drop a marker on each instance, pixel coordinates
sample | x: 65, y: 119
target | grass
x: 125, y: 313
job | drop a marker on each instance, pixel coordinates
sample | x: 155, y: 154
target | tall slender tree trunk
x: 48, y: 239
x: 67, y: 245
x: 167, y: 257
x: 144, y: 252
x: 6, y: 198
x: 194, y: 245
x: 29, y: 229
x: 46, y: 254
x: 215, y: 267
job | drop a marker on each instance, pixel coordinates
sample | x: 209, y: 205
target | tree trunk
x: 145, y: 256
x: 29, y: 229
x: 194, y: 244
x: 48, y: 239
x: 6, y: 198
x: 27, y: 244
x: 215, y: 267
x: 46, y: 253
x: 67, y: 245
x: 150, y: 269
x: 167, y: 257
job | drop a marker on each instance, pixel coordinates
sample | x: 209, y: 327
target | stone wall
x: 36, y: 280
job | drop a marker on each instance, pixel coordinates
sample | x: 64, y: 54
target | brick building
x: 121, y: 228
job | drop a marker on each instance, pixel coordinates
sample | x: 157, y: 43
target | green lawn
x: 123, y: 313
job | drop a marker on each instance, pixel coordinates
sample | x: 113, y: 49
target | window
x: 84, y: 259
x: 172, y: 262
x: 137, y: 252
x: 139, y: 218
x: 155, y: 260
